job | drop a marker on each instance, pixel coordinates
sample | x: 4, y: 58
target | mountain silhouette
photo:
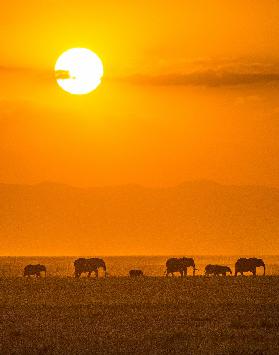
x: 192, y: 218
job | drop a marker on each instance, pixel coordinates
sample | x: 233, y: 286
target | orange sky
x: 190, y: 92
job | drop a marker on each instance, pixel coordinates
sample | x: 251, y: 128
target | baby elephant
x: 34, y: 270
x: 217, y: 270
x: 135, y: 273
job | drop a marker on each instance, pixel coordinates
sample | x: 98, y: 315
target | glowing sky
x: 190, y: 92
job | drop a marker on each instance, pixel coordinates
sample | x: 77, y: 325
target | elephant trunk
x: 264, y: 268
x: 194, y: 270
x: 105, y: 269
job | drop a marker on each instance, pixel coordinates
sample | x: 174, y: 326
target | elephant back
x: 173, y: 264
x: 178, y: 264
x: 209, y: 268
x: 90, y: 264
x: 186, y: 262
x: 248, y: 264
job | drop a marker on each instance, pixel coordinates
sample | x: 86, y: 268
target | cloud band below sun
x: 215, y: 75
x: 208, y: 78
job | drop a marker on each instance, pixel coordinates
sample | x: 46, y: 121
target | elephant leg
x: 181, y: 273
x: 97, y: 273
x: 89, y: 273
x: 241, y: 273
x: 186, y: 271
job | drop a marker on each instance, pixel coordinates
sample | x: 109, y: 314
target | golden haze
x: 190, y: 92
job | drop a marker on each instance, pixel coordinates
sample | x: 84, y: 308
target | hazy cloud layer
x: 199, y: 72
x: 205, y: 78
x: 211, y: 72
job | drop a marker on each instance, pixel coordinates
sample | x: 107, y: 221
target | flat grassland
x: 149, y: 315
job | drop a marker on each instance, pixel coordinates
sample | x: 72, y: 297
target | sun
x: 79, y: 71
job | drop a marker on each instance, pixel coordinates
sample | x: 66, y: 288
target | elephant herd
x: 173, y: 265
x: 242, y: 265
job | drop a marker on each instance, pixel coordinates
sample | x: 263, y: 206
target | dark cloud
x: 62, y: 74
x: 206, y: 78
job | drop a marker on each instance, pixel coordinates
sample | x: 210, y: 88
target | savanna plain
x: 149, y: 315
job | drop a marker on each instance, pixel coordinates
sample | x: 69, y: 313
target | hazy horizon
x: 63, y: 266
x: 196, y: 218
x: 131, y: 184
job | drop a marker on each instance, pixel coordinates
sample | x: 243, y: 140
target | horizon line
x: 131, y: 184
x: 138, y: 255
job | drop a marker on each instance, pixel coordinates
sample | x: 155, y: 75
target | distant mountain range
x: 191, y: 218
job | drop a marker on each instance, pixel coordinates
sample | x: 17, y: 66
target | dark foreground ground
x: 147, y: 316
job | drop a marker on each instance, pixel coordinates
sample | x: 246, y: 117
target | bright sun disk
x: 79, y: 71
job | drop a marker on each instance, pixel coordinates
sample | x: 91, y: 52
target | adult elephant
x: 36, y: 270
x: 217, y: 270
x: 248, y: 264
x: 180, y: 265
x: 89, y: 265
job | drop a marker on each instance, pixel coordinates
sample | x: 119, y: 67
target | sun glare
x: 78, y: 71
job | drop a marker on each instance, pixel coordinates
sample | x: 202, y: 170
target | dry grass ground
x: 147, y: 316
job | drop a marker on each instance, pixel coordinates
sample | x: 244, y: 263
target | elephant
x: 89, y: 265
x: 34, y: 270
x: 180, y: 265
x: 135, y: 273
x: 248, y: 264
x: 217, y: 270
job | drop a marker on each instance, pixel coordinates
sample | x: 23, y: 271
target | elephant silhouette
x: 36, y: 270
x: 89, y: 265
x: 180, y: 265
x: 248, y: 264
x: 217, y: 270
